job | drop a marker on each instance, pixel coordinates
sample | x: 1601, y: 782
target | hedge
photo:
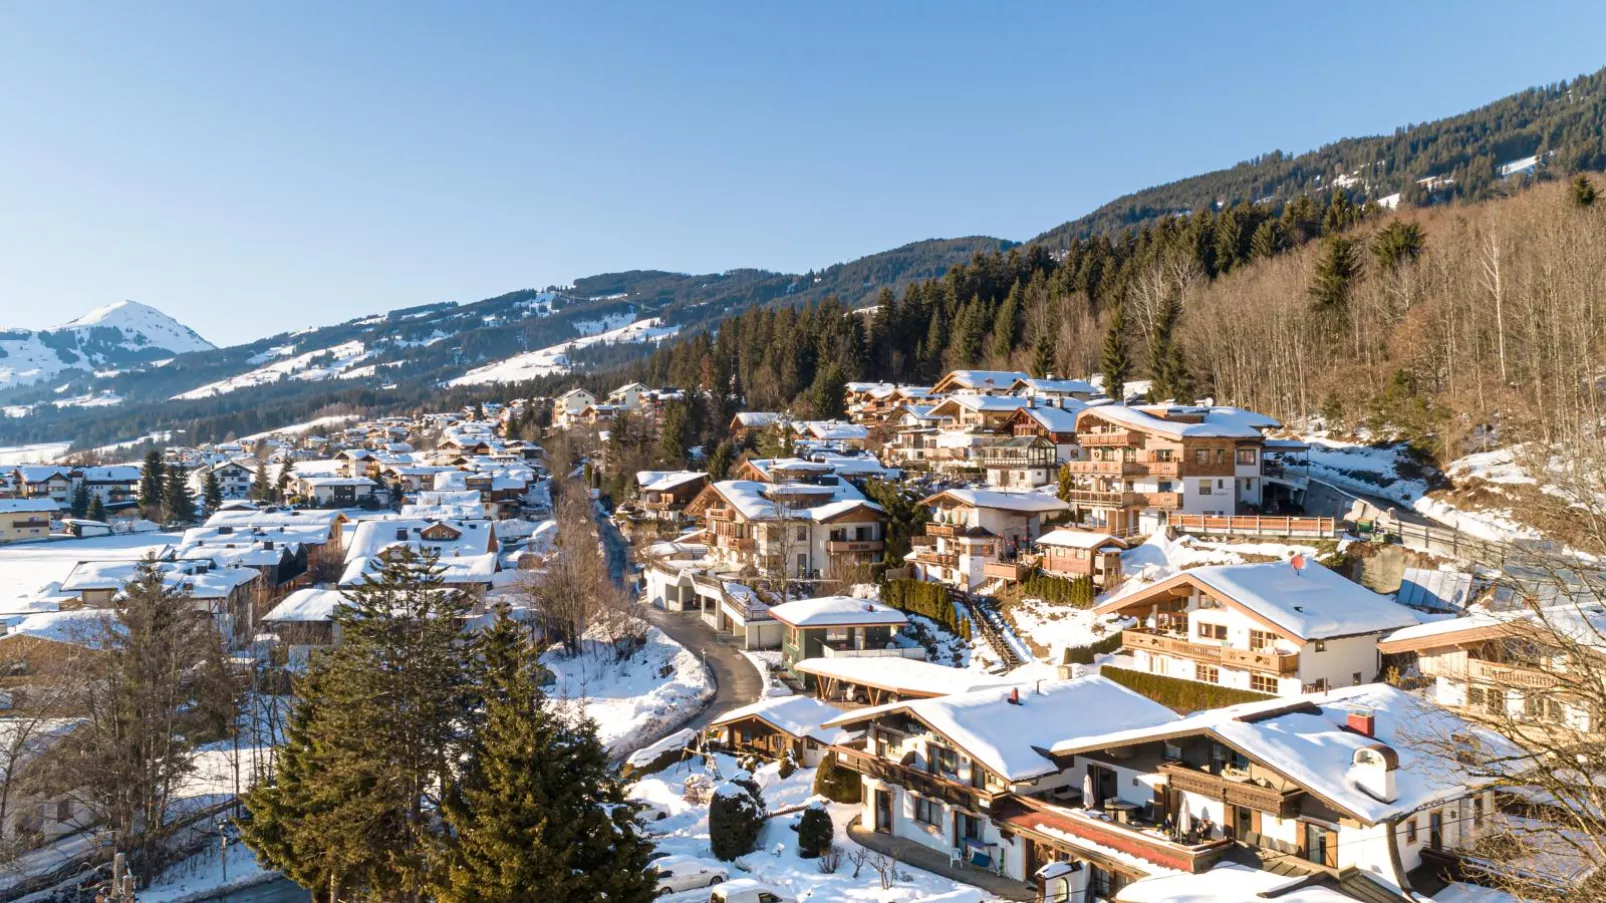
x: 1063, y: 590
x: 1180, y: 695
x: 1084, y: 655
x: 931, y: 600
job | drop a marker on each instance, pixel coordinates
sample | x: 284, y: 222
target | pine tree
x: 720, y: 461
x: 158, y: 686
x: 1006, y: 326
x: 178, y: 503
x: 383, y: 715
x: 827, y: 396
x: 212, y: 492
x: 97, y: 508
x: 538, y: 806
x: 674, y: 435
x: 1582, y: 191
x: 1397, y: 244
x: 150, y: 485
x: 80, y: 500
x: 281, y: 490
x: 1336, y: 269
x: 1269, y: 240
x: 1229, y: 237
x: 1043, y: 354
x: 1114, y: 363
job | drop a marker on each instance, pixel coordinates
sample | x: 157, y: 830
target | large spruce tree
x: 1114, y: 362
x: 151, y: 473
x: 538, y: 805
x: 383, y: 717
x: 178, y: 503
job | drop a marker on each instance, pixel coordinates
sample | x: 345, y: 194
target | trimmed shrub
x: 1180, y: 695
x: 1062, y: 590
x: 835, y: 783
x: 1084, y: 655
x: 735, y: 817
x: 814, y: 832
x: 788, y: 766
x: 930, y: 600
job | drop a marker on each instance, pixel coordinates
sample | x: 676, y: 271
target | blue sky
x: 255, y: 167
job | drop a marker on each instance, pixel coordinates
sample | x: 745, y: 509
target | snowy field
x: 324, y: 363
x: 1055, y: 627
x: 633, y: 702
x: 685, y: 833
x: 27, y: 567
x: 555, y: 358
x: 297, y: 429
x: 42, y: 453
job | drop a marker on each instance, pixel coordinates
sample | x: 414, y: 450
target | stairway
x: 987, y: 621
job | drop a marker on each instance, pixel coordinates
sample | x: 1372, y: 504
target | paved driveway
x: 736, y: 681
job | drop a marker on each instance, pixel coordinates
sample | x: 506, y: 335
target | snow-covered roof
x: 837, y: 611
x: 1186, y: 422
x: 1310, y: 604
x: 757, y: 501
x: 307, y: 605
x: 1308, y: 742
x: 835, y: 430
x: 375, y: 536
x: 758, y: 418
x: 987, y: 380
x: 210, y: 583
x: 989, y: 404
x: 1228, y: 882
x: 1066, y: 537
x: 799, y: 716
x: 1005, y: 736
x: 1055, y: 420
x: 28, y: 506
x: 665, y: 480
x: 1580, y: 624
x: 1035, y: 386
x: 1031, y: 502
x: 83, y: 627
x: 904, y: 676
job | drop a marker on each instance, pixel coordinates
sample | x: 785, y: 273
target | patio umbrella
x: 1184, y: 821
x: 1087, y: 790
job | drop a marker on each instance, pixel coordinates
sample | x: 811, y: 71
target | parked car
x: 746, y: 890
x: 678, y: 873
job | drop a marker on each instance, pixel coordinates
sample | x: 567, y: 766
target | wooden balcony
x: 922, y: 782
x: 1054, y: 825
x: 1509, y: 675
x: 1100, y: 498
x: 1163, y: 501
x: 1280, y: 664
x: 1151, y: 468
x: 937, y: 559
x: 1107, y: 468
x: 1254, y: 525
x: 1110, y: 437
x: 1281, y: 803
x: 1210, y: 469
x: 945, y: 530
x: 842, y: 546
x: 1013, y: 571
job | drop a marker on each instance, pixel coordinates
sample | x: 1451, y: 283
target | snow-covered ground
x: 28, y: 358
x: 685, y: 833
x: 319, y: 364
x: 297, y: 429
x: 555, y: 358
x: 1159, y: 558
x: 25, y: 568
x: 1056, y: 627
x: 90, y: 400
x: 636, y: 701
x: 41, y: 453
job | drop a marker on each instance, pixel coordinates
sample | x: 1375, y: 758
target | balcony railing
x: 1054, y: 823
x: 1278, y: 663
x: 937, y: 559
x: 1281, y: 803
x: 1110, y: 468
x: 922, y: 782
x: 1101, y: 499
x: 1509, y: 675
x: 1013, y: 571
x: 1164, y: 501
x: 946, y: 530
x: 1111, y: 437
x: 838, y: 546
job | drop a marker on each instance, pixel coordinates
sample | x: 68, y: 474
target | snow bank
x: 635, y: 701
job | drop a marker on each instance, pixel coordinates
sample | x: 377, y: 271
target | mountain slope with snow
x: 122, y: 334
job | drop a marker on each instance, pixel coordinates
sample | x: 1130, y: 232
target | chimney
x: 1372, y: 771
x: 1014, y: 695
x: 1363, y: 723
x: 1298, y: 564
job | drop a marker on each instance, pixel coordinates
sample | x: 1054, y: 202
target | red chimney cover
x: 1014, y: 695
x: 1298, y: 561
x: 1361, y: 723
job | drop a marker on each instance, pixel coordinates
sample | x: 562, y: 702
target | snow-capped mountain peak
x: 143, y: 325
x: 122, y: 334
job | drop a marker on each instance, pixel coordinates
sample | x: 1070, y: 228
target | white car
x: 746, y: 890
x: 678, y: 873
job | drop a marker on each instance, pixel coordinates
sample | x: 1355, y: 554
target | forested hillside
x: 1561, y: 124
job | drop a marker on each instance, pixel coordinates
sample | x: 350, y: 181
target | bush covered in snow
x: 735, y: 817
x: 835, y: 783
x: 814, y: 832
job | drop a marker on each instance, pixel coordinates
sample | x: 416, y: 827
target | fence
x: 1254, y: 525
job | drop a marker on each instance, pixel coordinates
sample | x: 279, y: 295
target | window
x: 1410, y: 830
x: 1204, y: 487
x: 1496, y: 701
x: 1262, y: 640
x: 1206, y: 674
x: 1201, y: 456
x: 1262, y: 683
x: 927, y: 812
x: 1355, y: 678
x: 801, y: 534
x: 1212, y: 631
x: 1221, y: 456
x: 838, y: 634
x: 1246, y: 456
x: 970, y: 827
x: 1321, y: 646
x: 940, y: 760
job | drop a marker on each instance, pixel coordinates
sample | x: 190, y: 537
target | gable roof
x: 1007, y: 738
x: 799, y: 716
x: 1214, y: 422
x: 1306, y: 741
x: 1030, y: 502
x: 1066, y: 537
x: 1312, y: 604
x: 837, y: 611
x: 987, y: 380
